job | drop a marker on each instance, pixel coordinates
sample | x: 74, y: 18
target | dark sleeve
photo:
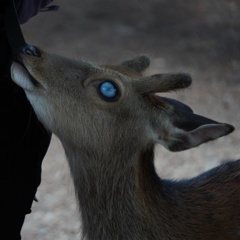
x: 23, y: 144
x: 29, y: 8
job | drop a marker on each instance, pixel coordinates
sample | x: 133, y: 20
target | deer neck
x: 111, y: 191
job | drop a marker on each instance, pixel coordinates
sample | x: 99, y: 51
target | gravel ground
x: 198, y: 37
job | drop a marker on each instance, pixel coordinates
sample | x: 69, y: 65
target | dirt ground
x: 200, y: 37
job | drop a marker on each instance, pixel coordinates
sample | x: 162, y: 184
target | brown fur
x: 109, y: 145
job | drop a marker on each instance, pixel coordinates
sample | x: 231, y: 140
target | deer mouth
x: 20, y: 73
x: 22, y: 77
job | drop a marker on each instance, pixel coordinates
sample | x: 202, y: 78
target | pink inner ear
x: 194, y: 138
x: 209, y: 132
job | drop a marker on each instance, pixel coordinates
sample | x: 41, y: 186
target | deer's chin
x: 22, y: 77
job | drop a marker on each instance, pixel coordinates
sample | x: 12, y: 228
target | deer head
x: 83, y: 102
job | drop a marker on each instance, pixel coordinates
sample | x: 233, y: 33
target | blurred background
x: 200, y: 37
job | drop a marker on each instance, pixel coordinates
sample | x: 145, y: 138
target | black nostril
x: 31, y: 50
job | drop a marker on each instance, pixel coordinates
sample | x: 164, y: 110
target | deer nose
x: 31, y: 50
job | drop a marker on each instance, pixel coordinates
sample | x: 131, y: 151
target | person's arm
x: 23, y: 140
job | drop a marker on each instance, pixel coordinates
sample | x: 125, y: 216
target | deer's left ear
x: 187, y: 130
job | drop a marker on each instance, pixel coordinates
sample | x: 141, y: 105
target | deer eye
x: 108, y: 91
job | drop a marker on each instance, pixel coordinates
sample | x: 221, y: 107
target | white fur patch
x: 21, y: 77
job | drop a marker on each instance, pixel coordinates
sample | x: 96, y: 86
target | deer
x: 108, y: 119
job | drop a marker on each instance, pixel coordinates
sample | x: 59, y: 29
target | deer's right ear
x: 187, y: 130
x: 138, y: 64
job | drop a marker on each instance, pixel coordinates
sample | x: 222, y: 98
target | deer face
x: 84, y: 103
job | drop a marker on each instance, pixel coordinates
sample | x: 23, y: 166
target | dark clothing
x: 23, y: 144
x: 29, y: 8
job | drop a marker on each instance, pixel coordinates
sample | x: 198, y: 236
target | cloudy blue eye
x: 108, y: 90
